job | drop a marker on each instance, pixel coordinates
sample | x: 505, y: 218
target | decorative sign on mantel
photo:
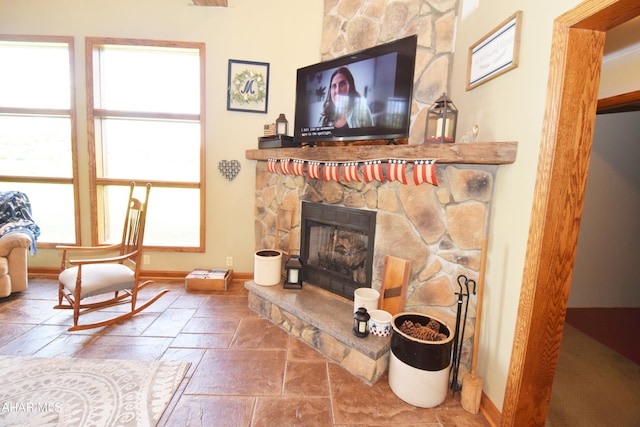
x: 496, y: 53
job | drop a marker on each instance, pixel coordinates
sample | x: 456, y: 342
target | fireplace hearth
x: 337, y: 246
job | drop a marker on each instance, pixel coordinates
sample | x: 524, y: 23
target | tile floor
x: 244, y: 370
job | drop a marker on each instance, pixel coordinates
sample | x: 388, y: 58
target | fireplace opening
x: 336, y: 247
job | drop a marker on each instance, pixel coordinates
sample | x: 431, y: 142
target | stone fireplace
x: 337, y: 247
x: 440, y: 229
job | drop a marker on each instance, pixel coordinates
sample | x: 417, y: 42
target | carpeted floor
x: 43, y: 392
x: 614, y: 327
x: 593, y: 386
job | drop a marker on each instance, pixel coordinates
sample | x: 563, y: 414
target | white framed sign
x: 496, y: 53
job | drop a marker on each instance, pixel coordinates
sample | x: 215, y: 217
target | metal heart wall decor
x: 229, y: 168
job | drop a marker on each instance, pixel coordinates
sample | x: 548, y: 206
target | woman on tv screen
x: 361, y: 96
x: 344, y: 106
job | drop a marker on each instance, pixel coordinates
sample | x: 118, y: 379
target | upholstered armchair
x: 18, y: 234
x: 13, y: 263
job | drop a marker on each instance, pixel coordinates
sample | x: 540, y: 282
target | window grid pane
x: 169, y: 223
x: 52, y: 206
x: 25, y: 80
x: 150, y: 150
x: 150, y: 80
x: 35, y: 146
x: 173, y: 218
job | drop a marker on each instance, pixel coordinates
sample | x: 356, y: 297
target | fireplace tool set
x: 458, y: 339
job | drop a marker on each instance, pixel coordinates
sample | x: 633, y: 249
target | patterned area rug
x: 85, y: 392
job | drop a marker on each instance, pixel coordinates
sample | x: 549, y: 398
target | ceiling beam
x: 222, y: 3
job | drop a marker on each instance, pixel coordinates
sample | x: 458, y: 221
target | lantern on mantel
x: 282, y: 125
x: 293, y: 273
x: 361, y: 322
x: 442, y: 119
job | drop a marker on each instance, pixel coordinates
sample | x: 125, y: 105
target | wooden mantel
x: 487, y: 153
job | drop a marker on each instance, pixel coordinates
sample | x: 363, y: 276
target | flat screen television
x: 358, y: 97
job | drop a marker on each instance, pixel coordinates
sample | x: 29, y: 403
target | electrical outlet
x: 146, y: 259
x: 229, y: 261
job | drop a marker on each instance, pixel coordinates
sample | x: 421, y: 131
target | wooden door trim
x: 619, y: 103
x: 574, y: 75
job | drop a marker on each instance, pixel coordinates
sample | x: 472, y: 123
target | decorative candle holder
x: 442, y: 119
x: 361, y: 322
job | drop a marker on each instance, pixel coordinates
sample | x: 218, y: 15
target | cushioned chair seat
x: 98, y: 279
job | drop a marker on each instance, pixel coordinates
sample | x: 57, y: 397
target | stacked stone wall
x: 438, y: 228
x: 353, y: 25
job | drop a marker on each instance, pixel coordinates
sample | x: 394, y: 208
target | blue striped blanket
x: 15, y: 216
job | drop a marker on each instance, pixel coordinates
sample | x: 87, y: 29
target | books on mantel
x: 276, y: 141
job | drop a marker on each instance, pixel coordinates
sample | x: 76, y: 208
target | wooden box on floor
x: 208, y: 280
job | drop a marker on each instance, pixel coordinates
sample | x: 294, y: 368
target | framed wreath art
x: 248, y: 86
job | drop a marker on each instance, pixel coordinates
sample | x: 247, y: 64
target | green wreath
x: 249, y: 87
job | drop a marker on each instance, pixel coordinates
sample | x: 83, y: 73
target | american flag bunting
x: 373, y: 170
x: 298, y: 167
x: 350, y: 172
x: 272, y: 165
x: 313, y: 170
x: 424, y: 171
x: 330, y: 172
x: 284, y: 166
x: 397, y: 170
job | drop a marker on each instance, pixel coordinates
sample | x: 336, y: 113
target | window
x: 37, y: 133
x: 145, y: 109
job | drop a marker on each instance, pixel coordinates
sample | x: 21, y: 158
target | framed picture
x: 496, y: 53
x: 248, y: 86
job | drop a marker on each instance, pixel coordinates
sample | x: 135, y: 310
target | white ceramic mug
x: 380, y: 323
x: 365, y: 297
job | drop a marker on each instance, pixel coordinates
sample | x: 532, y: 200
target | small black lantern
x: 293, y: 272
x: 282, y: 125
x: 442, y: 119
x: 361, y: 322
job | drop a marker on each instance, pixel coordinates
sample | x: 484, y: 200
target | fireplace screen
x: 337, y: 247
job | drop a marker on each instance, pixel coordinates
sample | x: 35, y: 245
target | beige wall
x: 604, y: 273
x: 620, y: 73
x: 284, y: 33
x: 508, y: 108
x: 621, y: 62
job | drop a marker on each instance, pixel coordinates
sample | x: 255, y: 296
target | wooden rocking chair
x: 82, y: 279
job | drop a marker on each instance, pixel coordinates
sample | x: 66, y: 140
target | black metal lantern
x: 361, y: 322
x: 282, y: 125
x: 293, y: 272
x: 442, y: 119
